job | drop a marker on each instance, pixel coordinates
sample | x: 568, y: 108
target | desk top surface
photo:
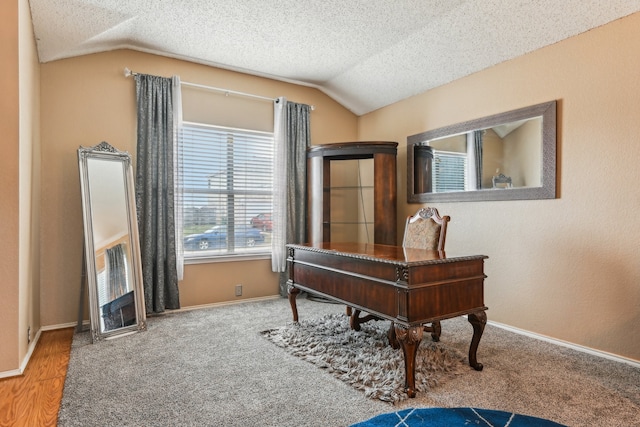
x: 385, y: 253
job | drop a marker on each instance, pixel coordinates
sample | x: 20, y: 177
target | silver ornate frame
x: 105, y: 151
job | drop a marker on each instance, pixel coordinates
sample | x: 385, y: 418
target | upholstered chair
x: 427, y: 230
x: 424, y: 230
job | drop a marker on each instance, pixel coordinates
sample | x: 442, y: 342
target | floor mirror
x: 113, y: 269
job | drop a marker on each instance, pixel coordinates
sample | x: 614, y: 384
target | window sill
x: 225, y: 258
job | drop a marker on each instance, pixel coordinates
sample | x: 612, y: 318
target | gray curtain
x: 117, y: 272
x: 155, y: 192
x: 477, y: 136
x: 298, y: 140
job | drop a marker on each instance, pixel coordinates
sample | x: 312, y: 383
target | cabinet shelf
x: 348, y: 223
x: 351, y: 187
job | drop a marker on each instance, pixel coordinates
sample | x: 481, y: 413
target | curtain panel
x: 292, y: 139
x: 279, y: 212
x: 178, y: 174
x: 478, y: 145
x: 155, y: 191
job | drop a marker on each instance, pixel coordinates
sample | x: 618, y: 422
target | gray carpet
x: 212, y: 367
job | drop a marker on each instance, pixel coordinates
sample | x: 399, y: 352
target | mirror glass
x: 501, y: 157
x: 112, y: 256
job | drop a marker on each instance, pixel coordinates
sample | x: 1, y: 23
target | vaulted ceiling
x: 365, y: 54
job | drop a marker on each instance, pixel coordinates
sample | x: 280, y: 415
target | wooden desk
x: 409, y: 287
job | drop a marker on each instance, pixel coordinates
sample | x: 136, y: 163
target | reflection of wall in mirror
x: 492, y: 157
x: 108, y: 200
x: 523, y: 154
x: 517, y: 155
x: 455, y: 143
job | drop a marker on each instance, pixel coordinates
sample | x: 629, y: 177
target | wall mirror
x: 507, y: 156
x: 112, y: 250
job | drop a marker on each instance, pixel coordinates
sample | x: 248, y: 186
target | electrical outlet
x: 28, y: 334
x: 238, y: 290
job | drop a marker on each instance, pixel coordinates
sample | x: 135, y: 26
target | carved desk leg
x: 409, y: 339
x: 477, y: 320
x: 293, y: 294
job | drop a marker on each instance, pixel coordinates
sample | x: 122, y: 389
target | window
x: 449, y: 171
x: 226, y: 180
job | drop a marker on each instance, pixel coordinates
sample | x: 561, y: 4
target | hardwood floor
x: 33, y: 399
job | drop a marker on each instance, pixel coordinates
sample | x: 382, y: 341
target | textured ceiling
x: 365, y: 54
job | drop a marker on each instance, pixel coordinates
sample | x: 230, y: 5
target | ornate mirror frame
x: 111, y: 243
x: 547, y: 190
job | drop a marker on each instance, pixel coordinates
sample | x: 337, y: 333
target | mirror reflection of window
x: 449, y: 171
x: 102, y: 288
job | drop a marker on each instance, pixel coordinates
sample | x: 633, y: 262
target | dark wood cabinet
x: 323, y: 192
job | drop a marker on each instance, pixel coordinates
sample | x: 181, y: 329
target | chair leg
x: 436, y: 330
x: 355, y: 320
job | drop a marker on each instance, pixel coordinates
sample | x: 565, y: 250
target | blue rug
x: 453, y: 417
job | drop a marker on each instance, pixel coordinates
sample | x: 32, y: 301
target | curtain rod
x: 129, y: 73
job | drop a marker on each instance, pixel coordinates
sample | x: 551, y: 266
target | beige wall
x: 566, y: 268
x: 86, y: 100
x: 29, y: 248
x: 493, y: 157
x: 9, y: 196
x: 520, y: 157
x: 19, y: 198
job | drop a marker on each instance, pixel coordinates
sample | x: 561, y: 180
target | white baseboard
x: 59, y: 326
x: 221, y: 304
x: 32, y: 347
x: 25, y: 361
x: 591, y: 351
x: 11, y: 373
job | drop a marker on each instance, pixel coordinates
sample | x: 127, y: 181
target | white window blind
x: 449, y: 171
x: 227, y: 186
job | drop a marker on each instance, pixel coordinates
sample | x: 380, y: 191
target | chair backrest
x: 426, y: 230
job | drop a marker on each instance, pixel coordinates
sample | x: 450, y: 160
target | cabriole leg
x: 293, y: 294
x: 478, y: 320
x: 409, y: 339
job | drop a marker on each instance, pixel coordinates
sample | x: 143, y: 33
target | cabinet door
x: 351, y: 199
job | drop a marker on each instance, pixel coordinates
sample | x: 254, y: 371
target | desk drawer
x: 440, y: 301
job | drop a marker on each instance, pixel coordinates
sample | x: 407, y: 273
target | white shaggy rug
x: 364, y: 359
